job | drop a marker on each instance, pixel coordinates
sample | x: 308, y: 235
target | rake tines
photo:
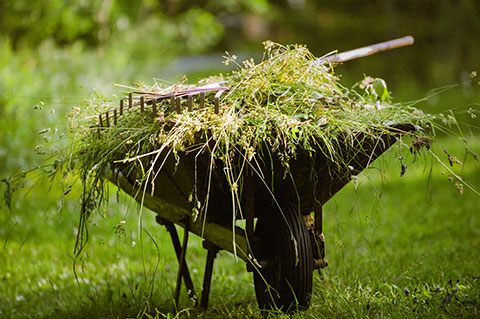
x: 145, y: 99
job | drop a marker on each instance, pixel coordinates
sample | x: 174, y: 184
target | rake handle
x: 368, y: 50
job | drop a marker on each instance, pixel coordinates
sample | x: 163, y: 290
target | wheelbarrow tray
x: 311, y: 179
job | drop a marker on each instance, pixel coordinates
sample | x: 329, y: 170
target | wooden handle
x: 367, y: 50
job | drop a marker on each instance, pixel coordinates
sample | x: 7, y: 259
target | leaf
x: 380, y: 88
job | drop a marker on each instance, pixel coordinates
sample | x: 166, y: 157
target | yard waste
x: 289, y: 102
x: 286, y: 103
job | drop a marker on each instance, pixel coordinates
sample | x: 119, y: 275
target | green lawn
x: 397, y: 246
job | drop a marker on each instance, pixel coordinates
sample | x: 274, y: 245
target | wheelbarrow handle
x: 367, y: 50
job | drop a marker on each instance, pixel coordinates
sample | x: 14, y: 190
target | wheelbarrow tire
x: 285, y: 251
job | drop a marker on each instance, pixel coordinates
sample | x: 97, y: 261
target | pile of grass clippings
x: 288, y: 101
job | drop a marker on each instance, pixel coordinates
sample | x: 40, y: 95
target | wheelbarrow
x: 281, y: 239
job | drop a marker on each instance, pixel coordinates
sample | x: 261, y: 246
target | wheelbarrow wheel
x: 285, y: 252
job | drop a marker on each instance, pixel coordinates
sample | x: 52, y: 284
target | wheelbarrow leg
x: 182, y: 265
x: 181, y: 262
x: 207, y: 279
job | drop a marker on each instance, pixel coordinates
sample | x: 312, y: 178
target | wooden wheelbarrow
x: 281, y: 241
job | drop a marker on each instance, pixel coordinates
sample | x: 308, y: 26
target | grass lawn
x: 398, y: 247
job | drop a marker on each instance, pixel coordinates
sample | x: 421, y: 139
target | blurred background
x: 54, y: 53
